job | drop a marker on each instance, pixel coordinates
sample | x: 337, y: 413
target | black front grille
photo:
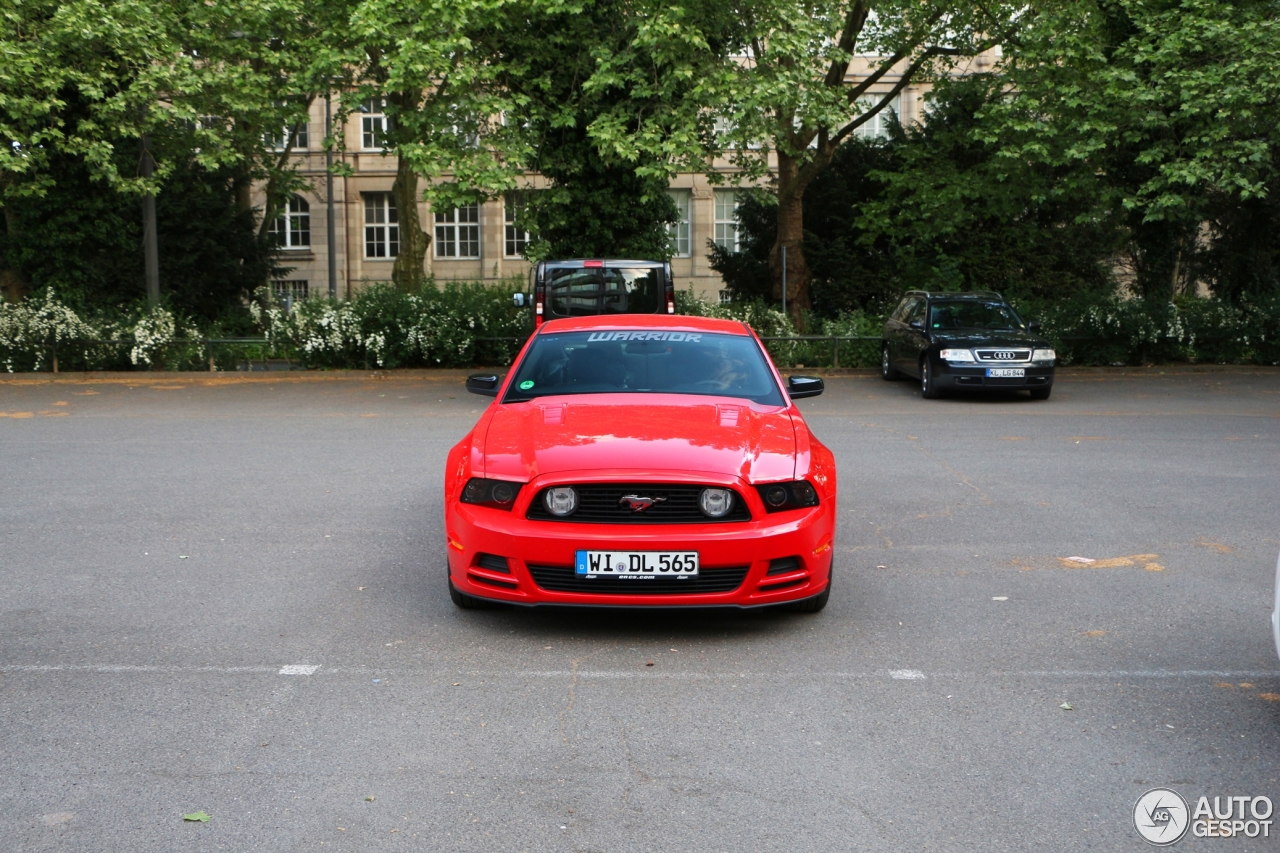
x: 600, y: 504
x: 565, y: 579
x: 783, y: 565
x: 493, y: 563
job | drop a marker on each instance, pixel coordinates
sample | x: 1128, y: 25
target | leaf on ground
x: 1066, y: 706
x: 200, y: 816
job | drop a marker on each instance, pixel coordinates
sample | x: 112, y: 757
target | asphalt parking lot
x: 172, y: 548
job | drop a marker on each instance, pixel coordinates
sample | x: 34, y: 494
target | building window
x: 292, y: 228
x: 514, y: 206
x: 381, y: 231
x: 877, y: 127
x: 290, y: 289
x: 726, y: 230
x: 678, y: 231
x: 301, y: 137
x: 458, y: 232
x: 726, y: 297
x: 374, y: 124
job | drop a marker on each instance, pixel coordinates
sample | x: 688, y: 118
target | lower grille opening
x: 565, y: 579
x: 969, y: 380
x: 1037, y: 380
x: 783, y: 565
x: 493, y: 563
x: 492, y: 581
x: 774, y: 587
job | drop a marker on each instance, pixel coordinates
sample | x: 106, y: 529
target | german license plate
x: 1006, y: 372
x: 636, y: 565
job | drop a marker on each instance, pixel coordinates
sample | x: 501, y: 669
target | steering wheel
x: 712, y: 384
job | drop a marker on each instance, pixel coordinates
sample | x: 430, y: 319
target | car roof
x: 672, y: 322
x: 606, y: 263
x: 952, y: 294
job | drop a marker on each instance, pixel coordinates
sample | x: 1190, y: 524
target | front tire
x: 888, y: 372
x: 1041, y: 393
x: 466, y: 602
x: 815, y: 604
x: 928, y: 383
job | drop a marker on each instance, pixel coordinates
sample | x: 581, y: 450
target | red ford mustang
x: 641, y: 460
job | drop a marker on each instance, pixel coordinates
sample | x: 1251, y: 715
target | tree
x: 784, y: 85
x: 1175, y: 104
x: 419, y: 60
x: 101, y: 81
x: 598, y: 204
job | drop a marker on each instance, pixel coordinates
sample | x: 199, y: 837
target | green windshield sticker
x: 526, y: 385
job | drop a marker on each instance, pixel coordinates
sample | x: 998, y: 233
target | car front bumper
x: 964, y: 376
x: 540, y: 554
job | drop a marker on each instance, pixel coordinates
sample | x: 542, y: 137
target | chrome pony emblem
x: 640, y: 503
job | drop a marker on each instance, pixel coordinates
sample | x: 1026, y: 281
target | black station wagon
x: 965, y: 341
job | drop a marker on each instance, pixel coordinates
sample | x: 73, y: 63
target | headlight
x: 956, y: 355
x: 495, y: 493
x: 561, y: 500
x: 715, y: 503
x: 783, y: 496
x: 1047, y: 355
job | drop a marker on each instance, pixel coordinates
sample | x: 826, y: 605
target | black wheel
x: 928, y: 385
x: 815, y: 604
x: 888, y: 372
x: 466, y: 602
x: 1041, y: 393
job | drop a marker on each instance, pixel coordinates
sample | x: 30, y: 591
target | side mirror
x: 1033, y: 326
x: 518, y: 300
x: 484, y: 384
x: 917, y: 324
x: 804, y: 386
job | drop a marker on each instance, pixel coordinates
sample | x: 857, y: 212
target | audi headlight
x: 782, y: 496
x: 500, y: 494
x: 561, y: 500
x: 956, y: 355
x: 1046, y: 356
x: 715, y: 503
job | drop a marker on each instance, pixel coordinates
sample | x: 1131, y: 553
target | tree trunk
x: 408, y: 273
x: 11, y: 281
x: 792, y: 181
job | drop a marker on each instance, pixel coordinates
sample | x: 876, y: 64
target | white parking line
x: 906, y: 674
x: 298, y: 669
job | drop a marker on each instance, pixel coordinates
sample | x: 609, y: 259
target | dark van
x: 590, y: 288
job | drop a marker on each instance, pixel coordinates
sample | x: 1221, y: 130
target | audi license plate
x: 637, y: 565
x: 1006, y: 372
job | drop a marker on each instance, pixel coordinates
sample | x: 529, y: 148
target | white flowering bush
x: 153, y: 334
x: 384, y: 327
x: 31, y: 330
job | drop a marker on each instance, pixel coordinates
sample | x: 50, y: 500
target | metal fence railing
x: 810, y: 350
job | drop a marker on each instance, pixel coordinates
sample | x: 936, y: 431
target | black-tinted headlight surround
x: 499, y: 494
x: 780, y: 497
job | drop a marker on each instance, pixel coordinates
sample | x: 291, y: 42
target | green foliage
x: 599, y: 203
x: 933, y: 208
x: 83, y: 238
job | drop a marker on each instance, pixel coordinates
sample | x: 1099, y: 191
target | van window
x: 593, y: 291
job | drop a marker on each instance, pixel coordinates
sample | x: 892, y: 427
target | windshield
x: 655, y: 362
x: 971, y: 314
x: 591, y: 291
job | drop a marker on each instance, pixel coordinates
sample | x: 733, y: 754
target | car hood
x: 615, y: 432
x: 976, y: 338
